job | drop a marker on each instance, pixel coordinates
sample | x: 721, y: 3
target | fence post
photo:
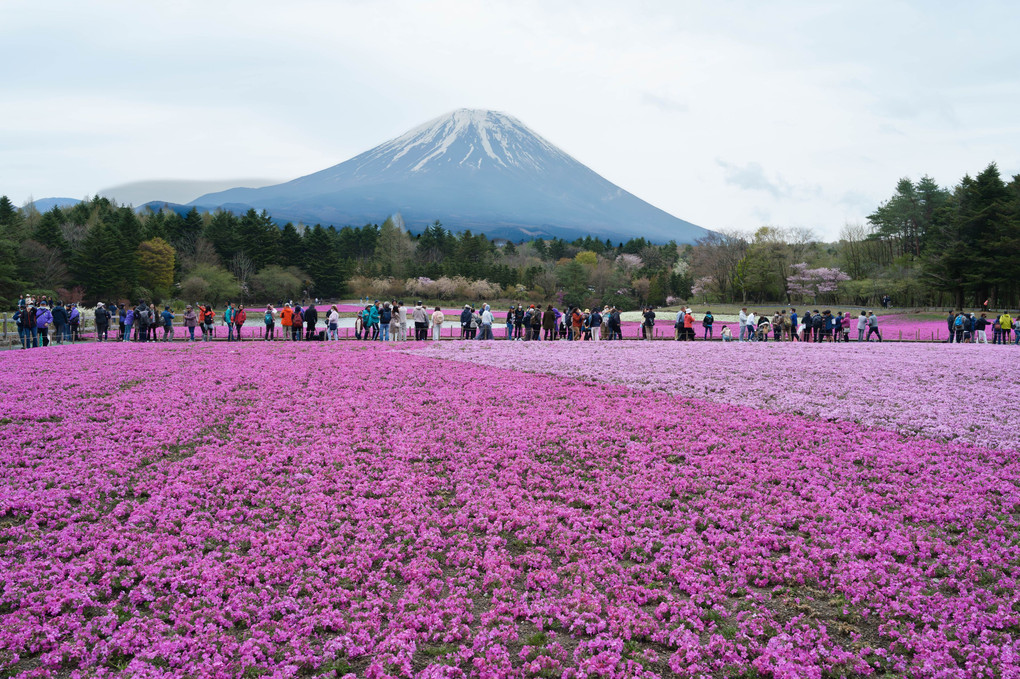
x: 5, y: 326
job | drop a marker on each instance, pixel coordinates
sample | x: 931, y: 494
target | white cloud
x: 828, y: 99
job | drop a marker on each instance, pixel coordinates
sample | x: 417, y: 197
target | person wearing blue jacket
x: 129, y: 322
x: 75, y: 322
x: 43, y: 318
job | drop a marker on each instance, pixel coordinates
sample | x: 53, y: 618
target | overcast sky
x: 727, y: 114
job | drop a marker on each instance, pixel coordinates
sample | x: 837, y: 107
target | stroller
x: 763, y: 332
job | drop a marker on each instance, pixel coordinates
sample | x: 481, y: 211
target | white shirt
x: 486, y: 317
x: 743, y: 317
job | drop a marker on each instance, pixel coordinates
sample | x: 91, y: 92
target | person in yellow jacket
x: 1005, y: 322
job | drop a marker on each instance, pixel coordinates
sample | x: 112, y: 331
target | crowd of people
x: 43, y: 321
x: 967, y: 328
x: 812, y: 326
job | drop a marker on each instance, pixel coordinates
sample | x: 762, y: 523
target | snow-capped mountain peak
x: 468, y: 138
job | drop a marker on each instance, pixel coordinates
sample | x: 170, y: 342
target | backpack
x: 208, y: 317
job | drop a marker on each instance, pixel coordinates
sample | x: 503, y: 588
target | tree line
x: 98, y: 250
x: 925, y: 246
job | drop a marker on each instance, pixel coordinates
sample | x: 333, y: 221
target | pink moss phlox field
x: 295, y: 509
x: 948, y: 392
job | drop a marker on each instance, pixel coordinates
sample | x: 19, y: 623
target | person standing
x: 59, y: 321
x: 437, y: 324
x: 873, y: 326
x: 648, y: 326
x: 311, y: 317
x: 269, y: 318
x: 421, y: 322
x: 208, y: 321
x: 121, y: 321
x: 394, y: 332
x: 228, y: 320
x: 167, y: 317
x: 689, y: 325
x: 707, y: 321
x: 373, y: 320
x: 102, y: 320
x: 742, y: 316
x: 190, y: 322
x: 296, y: 323
x: 549, y: 323
x: 240, y: 316
x: 465, y: 321
x: 139, y: 321
x: 487, y: 321
x: 30, y: 320
x: 980, y: 335
x: 286, y: 318
x: 19, y: 320
x: 74, y: 319
x: 43, y: 318
x: 402, y: 333
x: 385, y: 317
x: 1006, y: 324
x: 333, y: 323
x: 595, y: 323
x: 518, y: 321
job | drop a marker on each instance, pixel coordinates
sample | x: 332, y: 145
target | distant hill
x: 47, y: 204
x: 174, y: 190
x: 471, y: 169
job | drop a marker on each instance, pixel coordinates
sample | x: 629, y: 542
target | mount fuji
x: 471, y: 169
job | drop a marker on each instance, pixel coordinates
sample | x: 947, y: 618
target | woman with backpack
x: 437, y: 324
x: 296, y: 323
x: 269, y: 318
x: 208, y: 318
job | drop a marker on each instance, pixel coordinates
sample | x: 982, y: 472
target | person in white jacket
x: 420, y: 316
x: 437, y: 323
x: 743, y: 323
x: 333, y: 323
x: 402, y: 329
x: 487, y: 320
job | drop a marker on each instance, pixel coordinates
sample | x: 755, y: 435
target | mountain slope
x: 471, y: 169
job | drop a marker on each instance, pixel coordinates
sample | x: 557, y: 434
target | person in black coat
x: 60, y: 321
x: 311, y: 317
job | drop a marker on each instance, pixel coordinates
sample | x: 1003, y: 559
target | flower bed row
x: 299, y: 509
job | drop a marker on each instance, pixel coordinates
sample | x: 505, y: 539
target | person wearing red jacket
x: 239, y: 317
